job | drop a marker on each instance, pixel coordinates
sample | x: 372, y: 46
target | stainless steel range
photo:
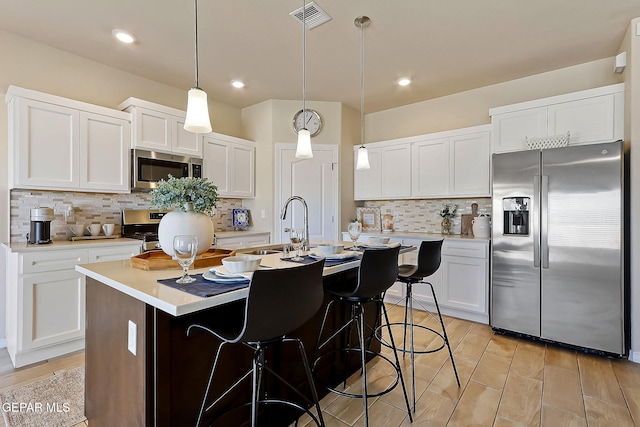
x: 142, y: 224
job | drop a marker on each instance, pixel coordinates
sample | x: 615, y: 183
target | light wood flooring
x: 505, y: 382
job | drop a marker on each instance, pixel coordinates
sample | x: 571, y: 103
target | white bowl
x: 241, y: 263
x: 379, y: 240
x: 329, y: 249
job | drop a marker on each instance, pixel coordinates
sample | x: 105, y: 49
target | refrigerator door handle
x: 544, y: 222
x: 535, y: 224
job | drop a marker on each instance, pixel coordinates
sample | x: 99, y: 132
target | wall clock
x: 310, y: 120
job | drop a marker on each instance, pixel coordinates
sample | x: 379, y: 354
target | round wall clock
x: 310, y: 120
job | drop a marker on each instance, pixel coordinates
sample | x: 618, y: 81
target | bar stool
x: 429, y: 257
x: 377, y: 272
x: 279, y: 301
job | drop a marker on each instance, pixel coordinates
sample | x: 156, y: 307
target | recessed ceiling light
x: 404, y: 81
x: 124, y: 36
x: 237, y: 84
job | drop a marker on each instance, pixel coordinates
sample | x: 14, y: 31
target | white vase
x: 178, y: 222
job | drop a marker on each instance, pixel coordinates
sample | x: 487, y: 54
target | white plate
x: 221, y: 271
x: 332, y: 257
x: 208, y: 275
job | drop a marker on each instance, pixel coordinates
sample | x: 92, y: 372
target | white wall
x: 471, y: 108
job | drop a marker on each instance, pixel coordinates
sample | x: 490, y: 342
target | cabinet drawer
x: 52, y: 261
x: 113, y: 254
x: 470, y: 250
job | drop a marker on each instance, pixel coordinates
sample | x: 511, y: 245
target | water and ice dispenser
x: 516, y: 215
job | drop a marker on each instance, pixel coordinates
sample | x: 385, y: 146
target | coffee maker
x: 40, y: 226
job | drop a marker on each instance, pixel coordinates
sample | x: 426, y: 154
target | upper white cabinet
x: 389, y: 175
x: 590, y: 116
x: 62, y: 144
x: 453, y: 163
x: 229, y: 163
x: 160, y: 128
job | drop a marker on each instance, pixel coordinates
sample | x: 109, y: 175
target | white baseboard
x: 634, y: 356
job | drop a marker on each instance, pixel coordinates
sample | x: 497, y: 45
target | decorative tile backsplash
x: 423, y: 215
x: 90, y: 208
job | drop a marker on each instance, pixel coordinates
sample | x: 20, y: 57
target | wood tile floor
x: 505, y: 382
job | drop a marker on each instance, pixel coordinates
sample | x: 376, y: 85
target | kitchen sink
x: 262, y: 252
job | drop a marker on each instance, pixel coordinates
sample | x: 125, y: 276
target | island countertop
x: 143, y: 285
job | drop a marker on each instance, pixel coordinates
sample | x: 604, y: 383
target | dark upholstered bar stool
x: 377, y: 272
x: 279, y: 301
x: 429, y: 257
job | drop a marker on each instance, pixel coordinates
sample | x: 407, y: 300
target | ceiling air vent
x: 313, y: 15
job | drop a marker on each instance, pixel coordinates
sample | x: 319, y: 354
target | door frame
x: 334, y: 149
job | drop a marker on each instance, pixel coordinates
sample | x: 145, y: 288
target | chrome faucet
x: 283, y: 215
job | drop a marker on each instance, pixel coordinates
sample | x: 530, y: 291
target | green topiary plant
x: 197, y: 194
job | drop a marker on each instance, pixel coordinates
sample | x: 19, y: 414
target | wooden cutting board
x: 466, y: 225
x: 158, y: 260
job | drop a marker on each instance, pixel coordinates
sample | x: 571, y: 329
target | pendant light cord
x: 304, y: 61
x: 195, y: 4
x: 361, y: 83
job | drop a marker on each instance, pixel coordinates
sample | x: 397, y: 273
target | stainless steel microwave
x: 149, y: 167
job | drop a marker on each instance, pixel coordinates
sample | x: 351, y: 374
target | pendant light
x: 197, y: 108
x: 363, y: 154
x: 303, y: 150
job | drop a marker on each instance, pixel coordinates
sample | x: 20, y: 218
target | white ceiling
x: 444, y: 46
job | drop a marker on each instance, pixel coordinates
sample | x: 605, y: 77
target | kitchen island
x: 142, y: 368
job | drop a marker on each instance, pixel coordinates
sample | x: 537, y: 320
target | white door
x: 316, y: 181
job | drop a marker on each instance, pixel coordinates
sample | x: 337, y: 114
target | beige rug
x: 56, y: 401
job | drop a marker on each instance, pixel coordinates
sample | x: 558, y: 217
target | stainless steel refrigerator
x: 558, y: 245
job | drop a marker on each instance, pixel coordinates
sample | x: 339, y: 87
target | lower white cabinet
x: 461, y: 284
x: 243, y: 241
x: 46, y: 299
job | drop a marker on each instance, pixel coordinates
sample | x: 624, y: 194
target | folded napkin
x: 205, y: 288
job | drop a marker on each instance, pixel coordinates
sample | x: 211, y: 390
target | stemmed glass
x: 297, y: 240
x: 355, y: 228
x: 185, y: 248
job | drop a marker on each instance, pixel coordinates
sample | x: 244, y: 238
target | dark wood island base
x: 164, y: 382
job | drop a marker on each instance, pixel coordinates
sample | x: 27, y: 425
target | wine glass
x: 355, y: 228
x: 297, y: 240
x: 185, y: 248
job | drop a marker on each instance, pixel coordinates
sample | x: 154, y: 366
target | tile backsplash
x: 423, y: 215
x: 90, y: 208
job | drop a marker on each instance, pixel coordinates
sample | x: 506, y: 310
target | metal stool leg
x: 412, y: 348
x: 363, y: 359
x: 444, y: 333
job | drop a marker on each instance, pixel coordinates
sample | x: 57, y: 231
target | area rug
x: 56, y: 401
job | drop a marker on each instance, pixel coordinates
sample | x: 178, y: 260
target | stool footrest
x: 408, y: 350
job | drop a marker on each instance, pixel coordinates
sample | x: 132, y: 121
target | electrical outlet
x: 132, y: 337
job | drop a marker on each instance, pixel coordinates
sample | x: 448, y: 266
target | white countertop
x: 143, y: 285
x: 239, y: 233
x: 422, y: 235
x: 68, y: 244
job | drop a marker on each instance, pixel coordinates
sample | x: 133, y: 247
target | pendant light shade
x: 197, y: 119
x: 363, y: 158
x: 363, y: 155
x: 303, y: 150
x: 197, y: 112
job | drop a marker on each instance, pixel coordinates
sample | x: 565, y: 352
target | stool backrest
x: 281, y: 300
x: 429, y: 257
x: 378, y: 271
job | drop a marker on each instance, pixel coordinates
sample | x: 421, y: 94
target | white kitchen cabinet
x: 389, y: 175
x: 461, y: 284
x: 452, y: 163
x: 62, y: 144
x: 431, y: 167
x: 46, y: 299
x: 236, y: 241
x: 160, y: 128
x: 590, y: 116
x: 229, y: 163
